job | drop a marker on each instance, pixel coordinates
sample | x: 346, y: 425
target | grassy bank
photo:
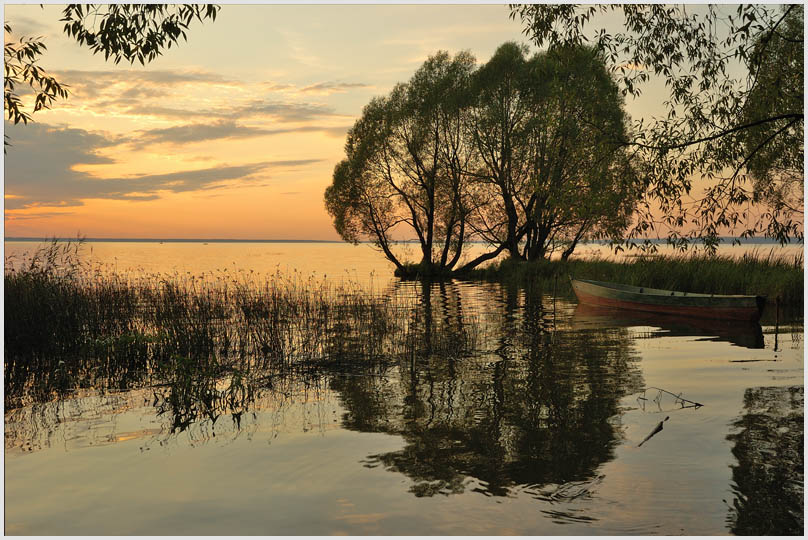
x: 754, y: 273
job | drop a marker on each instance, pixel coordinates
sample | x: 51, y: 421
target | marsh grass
x: 207, y: 340
x: 209, y: 344
x: 756, y: 272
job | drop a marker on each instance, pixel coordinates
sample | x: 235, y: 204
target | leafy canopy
x: 521, y: 153
x: 734, y: 77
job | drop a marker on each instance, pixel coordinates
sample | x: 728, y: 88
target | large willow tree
x: 522, y: 153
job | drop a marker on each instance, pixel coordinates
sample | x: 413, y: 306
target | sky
x: 233, y: 134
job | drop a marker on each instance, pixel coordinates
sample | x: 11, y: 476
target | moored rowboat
x: 711, y: 306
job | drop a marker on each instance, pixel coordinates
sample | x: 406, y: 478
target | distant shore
x: 725, y: 240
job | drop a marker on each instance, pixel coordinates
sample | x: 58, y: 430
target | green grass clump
x: 754, y: 273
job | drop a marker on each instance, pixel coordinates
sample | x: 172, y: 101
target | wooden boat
x: 709, y: 306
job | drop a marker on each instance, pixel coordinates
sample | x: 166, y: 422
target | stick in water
x: 656, y: 430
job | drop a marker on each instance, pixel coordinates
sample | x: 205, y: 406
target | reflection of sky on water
x: 496, y: 424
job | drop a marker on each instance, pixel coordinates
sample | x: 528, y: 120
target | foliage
x: 407, y: 165
x: 556, y: 166
x: 21, y: 69
x: 132, y: 32
x: 743, y: 133
x: 519, y: 153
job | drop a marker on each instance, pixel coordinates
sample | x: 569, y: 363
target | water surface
x: 513, y: 413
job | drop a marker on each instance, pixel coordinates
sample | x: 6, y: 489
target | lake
x: 513, y: 412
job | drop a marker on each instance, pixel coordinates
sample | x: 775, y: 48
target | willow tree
x: 521, y: 153
x: 548, y: 133
x: 772, y: 150
x: 405, y: 172
x: 581, y: 182
x: 496, y: 129
x: 732, y: 114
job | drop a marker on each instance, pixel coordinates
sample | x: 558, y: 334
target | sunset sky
x: 235, y: 133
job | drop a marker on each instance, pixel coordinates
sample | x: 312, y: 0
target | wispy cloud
x: 223, y: 129
x: 277, y: 111
x: 91, y: 83
x: 40, y: 170
x: 287, y: 111
x: 271, y: 86
x: 328, y: 87
x: 28, y: 27
x: 18, y: 216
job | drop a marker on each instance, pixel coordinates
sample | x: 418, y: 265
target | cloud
x: 28, y: 27
x: 40, y: 170
x: 286, y: 111
x: 16, y: 216
x: 337, y: 131
x: 129, y: 83
x: 195, y: 95
x: 328, y: 88
x: 102, y: 78
x: 277, y: 111
x: 223, y: 129
x: 271, y: 86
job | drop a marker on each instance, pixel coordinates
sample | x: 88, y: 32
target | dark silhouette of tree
x: 21, y: 69
x: 767, y: 480
x: 406, y: 166
x: 521, y: 153
x: 744, y: 133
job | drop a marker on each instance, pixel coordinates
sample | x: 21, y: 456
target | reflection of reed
x: 768, y: 481
x: 93, y: 419
x: 208, y: 351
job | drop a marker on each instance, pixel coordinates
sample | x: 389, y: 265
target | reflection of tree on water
x: 536, y: 408
x: 768, y: 477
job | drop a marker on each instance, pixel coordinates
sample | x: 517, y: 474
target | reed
x: 68, y: 326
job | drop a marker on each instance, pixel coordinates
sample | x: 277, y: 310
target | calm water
x: 517, y: 413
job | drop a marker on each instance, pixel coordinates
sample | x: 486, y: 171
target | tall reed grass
x: 207, y: 337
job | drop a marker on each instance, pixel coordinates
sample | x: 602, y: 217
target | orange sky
x: 232, y: 135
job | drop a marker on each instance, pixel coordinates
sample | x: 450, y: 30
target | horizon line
x: 307, y: 241
x: 114, y: 239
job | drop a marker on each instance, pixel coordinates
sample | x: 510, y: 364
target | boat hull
x: 612, y: 295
